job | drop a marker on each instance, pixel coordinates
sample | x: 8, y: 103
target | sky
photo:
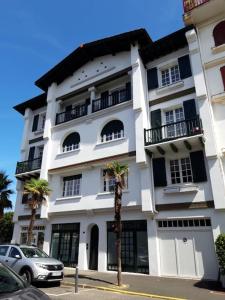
x: 37, y: 34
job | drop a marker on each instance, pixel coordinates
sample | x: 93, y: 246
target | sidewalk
x: 163, y: 287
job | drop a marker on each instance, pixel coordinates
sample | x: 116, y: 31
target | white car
x: 31, y: 263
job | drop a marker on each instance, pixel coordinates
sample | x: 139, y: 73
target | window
x: 175, y: 118
x: 219, y: 34
x: 39, y: 122
x: 170, y: 75
x: 112, y: 131
x: 109, y: 182
x: 180, y: 170
x: 222, y: 70
x: 71, y: 185
x: 71, y: 142
x: 3, y: 250
x: 13, y: 252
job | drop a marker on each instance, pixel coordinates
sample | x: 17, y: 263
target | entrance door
x: 134, y: 247
x: 65, y: 243
x: 93, y: 261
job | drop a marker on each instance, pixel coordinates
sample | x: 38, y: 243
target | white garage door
x: 187, y: 249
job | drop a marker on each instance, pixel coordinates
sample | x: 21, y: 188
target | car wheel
x: 26, y: 275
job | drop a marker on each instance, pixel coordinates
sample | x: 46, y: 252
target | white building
x: 143, y: 103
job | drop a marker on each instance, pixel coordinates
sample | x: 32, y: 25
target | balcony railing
x: 191, y: 4
x: 111, y: 100
x: 76, y: 112
x: 173, y: 131
x: 28, y: 165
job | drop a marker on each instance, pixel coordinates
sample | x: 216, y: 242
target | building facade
x: 142, y: 103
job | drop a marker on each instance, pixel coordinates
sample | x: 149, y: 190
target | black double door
x: 134, y: 247
x: 65, y: 243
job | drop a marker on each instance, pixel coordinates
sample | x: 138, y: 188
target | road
x: 67, y: 293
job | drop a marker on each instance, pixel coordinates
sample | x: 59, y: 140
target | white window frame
x: 170, y: 76
x: 177, y: 129
x: 70, y: 148
x: 41, y: 122
x: 72, y: 187
x: 180, y: 171
x: 107, y: 183
x: 112, y: 136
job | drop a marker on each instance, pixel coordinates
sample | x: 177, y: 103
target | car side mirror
x: 17, y: 256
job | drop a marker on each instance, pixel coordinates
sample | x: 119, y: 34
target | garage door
x: 187, y: 248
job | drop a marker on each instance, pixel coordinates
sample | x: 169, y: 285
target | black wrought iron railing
x: 28, y: 165
x: 76, y: 112
x: 173, y: 131
x: 115, y: 98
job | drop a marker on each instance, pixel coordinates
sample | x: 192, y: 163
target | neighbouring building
x: 156, y: 106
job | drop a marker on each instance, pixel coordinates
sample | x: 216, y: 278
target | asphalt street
x: 64, y: 292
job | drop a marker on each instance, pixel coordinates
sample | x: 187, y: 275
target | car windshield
x: 9, y: 282
x: 33, y: 252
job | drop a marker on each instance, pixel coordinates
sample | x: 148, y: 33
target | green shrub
x: 220, y: 251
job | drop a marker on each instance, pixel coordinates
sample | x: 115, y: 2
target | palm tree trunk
x: 118, y: 231
x: 31, y: 225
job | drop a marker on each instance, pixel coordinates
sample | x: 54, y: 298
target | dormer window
x: 112, y: 131
x: 170, y: 75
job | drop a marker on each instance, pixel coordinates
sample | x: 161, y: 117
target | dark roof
x: 87, y: 52
x: 33, y: 103
x: 165, y: 45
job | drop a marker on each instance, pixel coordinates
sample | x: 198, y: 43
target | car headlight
x: 42, y: 266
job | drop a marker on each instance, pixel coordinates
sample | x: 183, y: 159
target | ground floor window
x: 134, y: 247
x: 38, y: 235
x: 65, y: 243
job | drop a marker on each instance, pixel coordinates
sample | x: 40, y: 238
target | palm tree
x: 37, y: 190
x: 118, y: 172
x: 5, y: 193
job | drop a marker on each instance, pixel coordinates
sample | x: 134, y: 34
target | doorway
x: 93, y: 260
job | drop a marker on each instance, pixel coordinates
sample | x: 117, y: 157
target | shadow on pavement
x: 91, y: 279
x: 214, y: 286
x: 46, y: 284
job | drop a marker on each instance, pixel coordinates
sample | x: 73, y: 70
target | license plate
x: 56, y: 273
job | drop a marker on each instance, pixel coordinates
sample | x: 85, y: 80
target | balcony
x: 75, y: 113
x: 113, y: 99
x: 191, y: 4
x: 28, y: 166
x: 198, y: 11
x: 174, y: 135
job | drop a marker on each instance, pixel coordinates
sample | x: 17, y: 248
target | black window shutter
x: 184, y: 67
x: 31, y: 153
x: 159, y: 171
x: 198, y: 166
x: 189, y: 109
x: 35, y: 123
x: 156, y: 123
x: 128, y: 90
x: 152, y: 78
x: 156, y: 120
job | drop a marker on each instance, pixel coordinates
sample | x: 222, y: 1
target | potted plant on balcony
x: 220, y: 252
x: 37, y: 189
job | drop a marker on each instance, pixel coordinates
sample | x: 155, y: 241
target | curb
x: 126, y: 292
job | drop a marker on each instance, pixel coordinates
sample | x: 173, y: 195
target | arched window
x: 71, y: 142
x: 219, y: 34
x: 112, y: 131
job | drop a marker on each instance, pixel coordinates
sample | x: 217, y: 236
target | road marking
x: 128, y: 292
x: 59, y: 294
